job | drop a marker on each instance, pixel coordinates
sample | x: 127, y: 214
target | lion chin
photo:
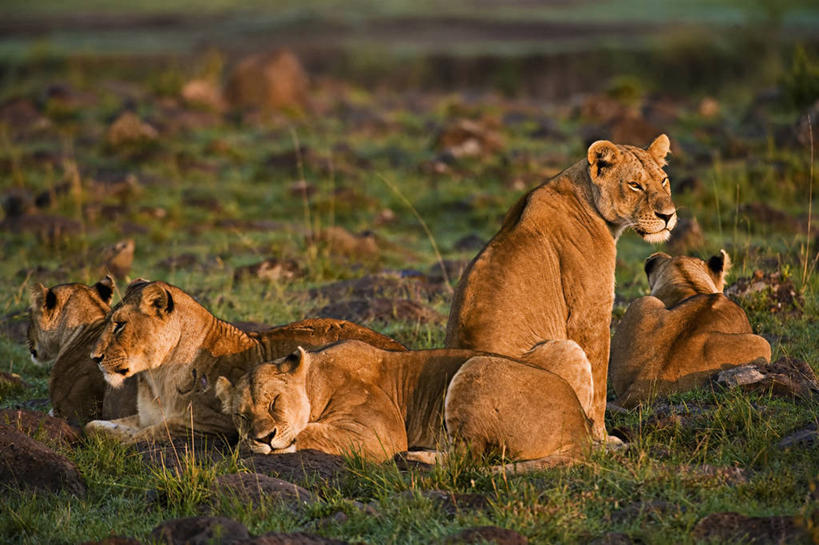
x: 656, y: 238
x: 114, y: 379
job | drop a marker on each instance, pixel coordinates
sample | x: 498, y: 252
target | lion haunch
x: 674, y: 339
x: 353, y: 397
x: 548, y: 274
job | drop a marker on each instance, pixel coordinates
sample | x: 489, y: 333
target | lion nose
x: 267, y: 439
x: 665, y: 217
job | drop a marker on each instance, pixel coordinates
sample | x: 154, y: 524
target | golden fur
x: 674, y: 339
x: 178, y: 349
x: 548, y: 274
x: 353, y: 397
x: 64, y: 323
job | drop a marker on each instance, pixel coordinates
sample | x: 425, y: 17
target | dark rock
x: 199, y: 531
x: 686, y: 236
x: 487, y: 534
x: 769, y: 291
x: 271, y: 270
x: 55, y: 431
x: 735, y: 528
x: 304, y: 467
x: 255, y: 489
x: 26, y: 463
x: 786, y: 377
x: 380, y: 310
x: 808, y: 436
x: 297, y: 538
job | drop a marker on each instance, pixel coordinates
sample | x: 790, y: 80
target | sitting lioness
x: 548, y: 274
x: 674, y: 339
x: 64, y: 323
x: 178, y: 349
x: 353, y: 397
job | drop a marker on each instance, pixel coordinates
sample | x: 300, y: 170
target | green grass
x: 227, y: 163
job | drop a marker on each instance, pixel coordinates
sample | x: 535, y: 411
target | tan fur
x: 352, y: 397
x: 548, y: 274
x: 674, y: 339
x: 178, y: 349
x: 64, y: 323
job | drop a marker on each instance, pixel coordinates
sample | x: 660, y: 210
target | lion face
x: 139, y: 333
x: 269, y: 404
x: 55, y: 312
x: 631, y: 189
x: 673, y: 279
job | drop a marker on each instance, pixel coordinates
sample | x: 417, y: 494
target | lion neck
x: 674, y: 293
x: 202, y: 338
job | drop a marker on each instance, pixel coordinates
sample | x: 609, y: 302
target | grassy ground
x: 362, y: 152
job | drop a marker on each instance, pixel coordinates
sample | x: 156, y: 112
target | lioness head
x: 139, y: 332
x: 630, y: 188
x: 269, y: 404
x: 673, y: 279
x: 54, y: 312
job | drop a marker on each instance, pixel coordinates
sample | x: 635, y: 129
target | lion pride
x: 548, y: 273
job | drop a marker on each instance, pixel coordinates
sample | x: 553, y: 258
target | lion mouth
x: 653, y: 236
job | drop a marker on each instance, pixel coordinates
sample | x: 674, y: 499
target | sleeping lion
x: 674, y: 339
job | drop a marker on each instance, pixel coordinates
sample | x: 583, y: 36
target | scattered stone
x: 255, y: 489
x: 202, y: 92
x: 296, y: 538
x: 117, y: 259
x: 686, y: 236
x: 268, y: 81
x: 26, y: 463
x: 128, y: 129
x: 613, y: 538
x: 340, y: 241
x: 380, y: 310
x: 735, y: 528
x: 487, y: 534
x: 199, y: 531
x: 739, y: 376
x: 808, y: 436
x: 468, y: 138
x: 306, y: 467
x: 270, y: 270
x: 37, y: 425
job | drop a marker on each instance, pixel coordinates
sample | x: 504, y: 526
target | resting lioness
x: 64, y: 323
x: 549, y: 272
x: 352, y: 397
x: 674, y: 339
x: 179, y: 349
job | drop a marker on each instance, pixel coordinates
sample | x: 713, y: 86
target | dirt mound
x: 273, y: 81
x: 767, y: 291
x: 296, y: 538
x: 380, y: 310
x: 203, y: 93
x: 270, y: 270
x: 468, y: 138
x: 55, y: 431
x: 199, y: 531
x: 786, y: 377
x: 26, y: 463
x: 255, y: 488
x: 128, y: 130
x: 303, y: 467
x: 735, y: 528
x: 398, y: 284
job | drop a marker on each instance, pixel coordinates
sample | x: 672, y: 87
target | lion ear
x: 601, y: 155
x: 296, y: 363
x: 718, y: 267
x: 105, y: 288
x: 37, y: 296
x: 660, y: 148
x: 224, y: 392
x: 156, y: 298
x: 652, y: 261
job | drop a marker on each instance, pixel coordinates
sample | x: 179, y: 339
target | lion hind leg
x: 567, y: 360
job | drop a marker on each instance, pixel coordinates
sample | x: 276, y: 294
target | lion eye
x: 118, y: 326
x: 272, y: 406
x: 634, y: 186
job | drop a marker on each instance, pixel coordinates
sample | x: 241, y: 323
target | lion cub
x: 353, y: 397
x: 64, y: 323
x: 674, y: 339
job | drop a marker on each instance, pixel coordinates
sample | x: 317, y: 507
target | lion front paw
x: 111, y: 429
